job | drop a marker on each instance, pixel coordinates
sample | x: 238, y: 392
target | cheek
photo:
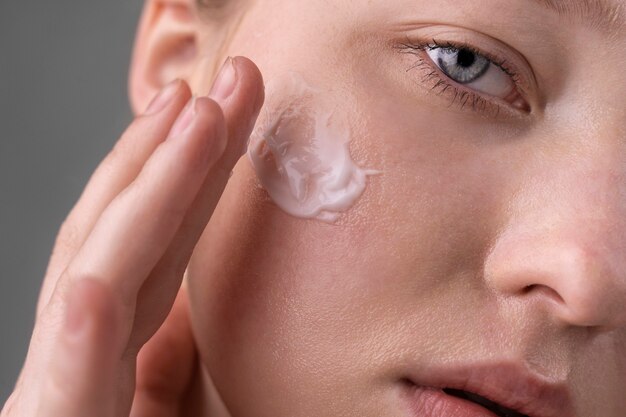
x: 281, y: 303
x: 441, y: 196
x: 302, y: 303
x: 277, y: 308
x: 300, y: 151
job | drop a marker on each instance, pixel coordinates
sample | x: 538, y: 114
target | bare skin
x: 495, y: 235
x: 102, y: 301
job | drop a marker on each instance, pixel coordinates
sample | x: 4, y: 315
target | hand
x: 120, y: 256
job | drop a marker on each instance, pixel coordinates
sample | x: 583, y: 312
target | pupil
x: 465, y: 58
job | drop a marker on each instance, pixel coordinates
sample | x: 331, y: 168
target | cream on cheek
x: 301, y: 154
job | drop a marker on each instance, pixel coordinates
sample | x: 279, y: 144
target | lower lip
x: 432, y: 402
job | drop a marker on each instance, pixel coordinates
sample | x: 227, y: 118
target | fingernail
x: 225, y: 82
x: 184, y: 118
x: 163, y: 98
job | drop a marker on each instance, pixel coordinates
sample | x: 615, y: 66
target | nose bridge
x: 565, y: 238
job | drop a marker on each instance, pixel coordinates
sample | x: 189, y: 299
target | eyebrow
x: 603, y: 15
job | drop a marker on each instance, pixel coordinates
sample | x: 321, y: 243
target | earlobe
x: 165, y: 48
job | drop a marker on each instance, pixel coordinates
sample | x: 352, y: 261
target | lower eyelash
x: 460, y: 95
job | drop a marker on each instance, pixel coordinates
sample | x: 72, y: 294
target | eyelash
x: 462, y: 96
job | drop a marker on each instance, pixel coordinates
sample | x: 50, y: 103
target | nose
x: 564, y: 242
x: 578, y: 282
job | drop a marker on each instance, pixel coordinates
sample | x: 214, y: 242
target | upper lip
x: 509, y: 384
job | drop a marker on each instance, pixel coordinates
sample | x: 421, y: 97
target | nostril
x: 578, y: 313
x: 543, y: 290
x: 577, y: 283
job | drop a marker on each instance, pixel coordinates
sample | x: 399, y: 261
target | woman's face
x: 494, y: 236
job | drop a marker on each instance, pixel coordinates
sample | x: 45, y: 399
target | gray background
x: 63, y: 103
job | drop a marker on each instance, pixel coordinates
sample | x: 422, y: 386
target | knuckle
x: 158, y: 386
x: 69, y: 236
x: 99, y: 303
x: 68, y: 232
x: 129, y: 149
x: 211, y: 111
x: 145, y: 187
x: 123, y: 150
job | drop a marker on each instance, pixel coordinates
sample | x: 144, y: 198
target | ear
x: 166, y: 48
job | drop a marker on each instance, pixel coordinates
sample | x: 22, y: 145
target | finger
x: 137, y: 227
x: 241, y: 109
x: 81, y: 378
x: 165, y: 365
x: 120, y: 167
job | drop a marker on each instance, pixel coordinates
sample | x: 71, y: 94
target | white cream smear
x: 300, y: 151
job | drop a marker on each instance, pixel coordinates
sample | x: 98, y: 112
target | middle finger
x: 137, y: 227
x: 120, y: 167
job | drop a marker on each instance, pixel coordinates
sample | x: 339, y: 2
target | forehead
x: 607, y: 16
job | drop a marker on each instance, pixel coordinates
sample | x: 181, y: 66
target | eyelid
x: 464, y: 93
x: 460, y: 95
x: 500, y: 63
x: 486, y: 45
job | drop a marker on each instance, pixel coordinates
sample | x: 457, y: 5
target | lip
x: 508, y: 384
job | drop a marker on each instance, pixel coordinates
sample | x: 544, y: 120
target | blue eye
x: 473, y: 70
x: 462, y: 65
